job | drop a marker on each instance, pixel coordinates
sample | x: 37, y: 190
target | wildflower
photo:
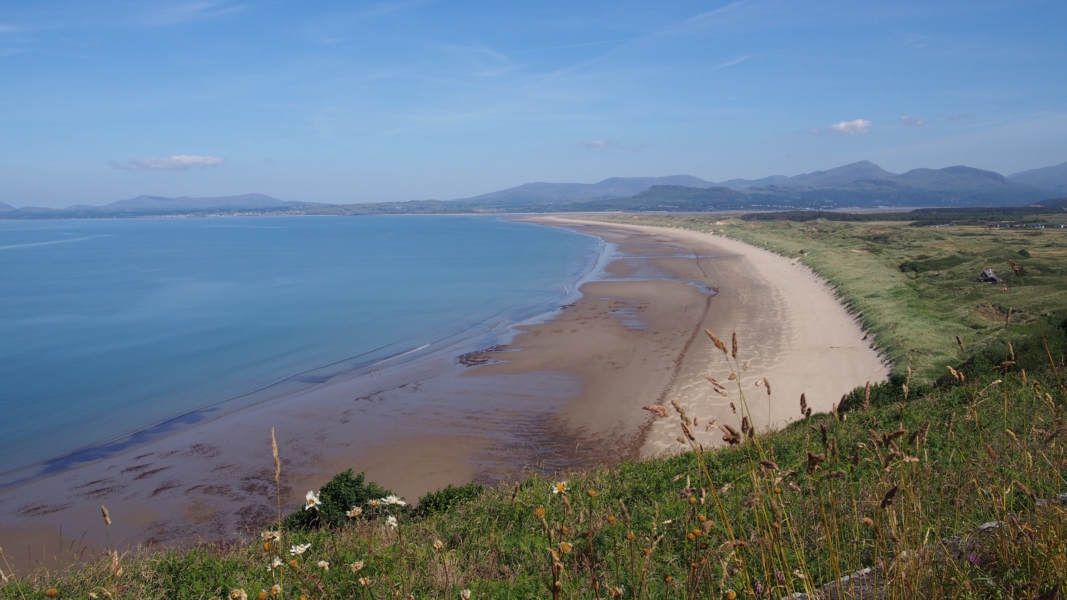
x: 560, y: 488
x: 616, y: 591
x: 325, y: 566
x: 612, y: 519
x: 758, y: 588
x: 565, y: 547
x: 731, y: 595
x: 592, y: 493
x: 299, y: 549
x: 356, y: 566
x: 374, y: 503
x: 274, y: 564
x: 391, y: 522
x: 238, y: 595
x: 52, y: 592
x: 275, y: 590
x: 354, y: 513
x: 438, y: 544
x: 393, y: 500
x: 262, y: 595
x: 465, y: 594
x: 364, y: 581
x: 312, y: 501
x: 539, y: 512
x: 271, y: 536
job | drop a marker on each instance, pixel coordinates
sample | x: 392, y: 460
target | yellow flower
x: 238, y: 595
x: 592, y: 493
x: 354, y: 513
x: 731, y: 595
x: 565, y: 547
x: 539, y: 512
x: 560, y: 487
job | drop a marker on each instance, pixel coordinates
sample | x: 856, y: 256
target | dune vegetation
x: 944, y: 482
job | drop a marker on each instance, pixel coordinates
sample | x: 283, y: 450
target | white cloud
x: 907, y: 121
x: 857, y: 127
x: 598, y: 144
x: 178, y: 162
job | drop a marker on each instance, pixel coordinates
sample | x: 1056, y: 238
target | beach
x: 563, y: 392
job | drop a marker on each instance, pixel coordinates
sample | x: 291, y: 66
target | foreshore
x: 566, y: 393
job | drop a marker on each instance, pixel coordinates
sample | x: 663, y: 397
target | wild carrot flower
x: 325, y: 566
x: 313, y: 501
x: 356, y: 566
x: 238, y: 595
x: 390, y: 522
x: 560, y: 488
x: 465, y: 594
x: 299, y: 549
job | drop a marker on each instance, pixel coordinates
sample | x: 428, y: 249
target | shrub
x: 442, y: 500
x: 339, y: 495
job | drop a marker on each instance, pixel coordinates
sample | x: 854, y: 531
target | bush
x: 339, y: 495
x: 1024, y: 253
x: 442, y: 500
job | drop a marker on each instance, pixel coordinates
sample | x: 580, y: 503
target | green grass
x: 892, y: 482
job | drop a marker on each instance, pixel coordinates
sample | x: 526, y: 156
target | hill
x: 1049, y: 178
x: 613, y: 187
x: 159, y: 206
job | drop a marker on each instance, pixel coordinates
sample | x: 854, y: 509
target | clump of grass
x: 892, y: 496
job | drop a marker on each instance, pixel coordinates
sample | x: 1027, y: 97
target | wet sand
x: 564, y: 393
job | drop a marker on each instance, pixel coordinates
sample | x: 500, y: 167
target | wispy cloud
x: 958, y: 117
x: 178, y: 162
x: 735, y: 61
x: 174, y: 13
x: 907, y: 121
x: 855, y: 127
x: 598, y: 144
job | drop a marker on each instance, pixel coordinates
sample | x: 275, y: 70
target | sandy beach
x: 566, y: 392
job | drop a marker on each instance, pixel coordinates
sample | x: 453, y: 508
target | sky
x: 401, y: 100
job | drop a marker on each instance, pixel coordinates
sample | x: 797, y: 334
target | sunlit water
x: 108, y: 327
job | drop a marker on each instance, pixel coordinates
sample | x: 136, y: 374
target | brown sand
x: 566, y: 393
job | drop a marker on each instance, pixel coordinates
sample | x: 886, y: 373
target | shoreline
x: 565, y: 392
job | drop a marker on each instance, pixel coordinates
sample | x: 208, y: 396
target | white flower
x: 438, y: 545
x: 394, y: 500
x: 325, y: 566
x: 373, y: 503
x: 354, y: 513
x: 363, y: 581
x: 465, y: 594
x: 299, y: 549
x: 271, y: 536
x: 275, y: 589
x: 238, y: 595
x: 391, y: 521
x: 312, y: 501
x: 276, y: 563
x: 357, y: 566
x: 560, y: 488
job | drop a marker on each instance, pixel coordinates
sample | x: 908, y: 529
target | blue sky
x: 365, y: 101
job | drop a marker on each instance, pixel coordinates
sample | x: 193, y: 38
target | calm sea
x: 109, y: 327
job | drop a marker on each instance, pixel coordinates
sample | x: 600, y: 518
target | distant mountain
x: 865, y: 184
x: 182, y: 204
x: 614, y: 187
x: 6, y: 207
x: 157, y: 206
x: 1050, y: 178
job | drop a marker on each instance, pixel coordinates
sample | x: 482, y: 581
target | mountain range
x: 858, y: 185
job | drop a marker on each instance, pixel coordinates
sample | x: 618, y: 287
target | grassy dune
x: 899, y: 481
x: 914, y: 287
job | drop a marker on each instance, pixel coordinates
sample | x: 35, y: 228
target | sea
x: 112, y: 330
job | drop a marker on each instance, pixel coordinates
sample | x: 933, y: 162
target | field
x: 948, y: 483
